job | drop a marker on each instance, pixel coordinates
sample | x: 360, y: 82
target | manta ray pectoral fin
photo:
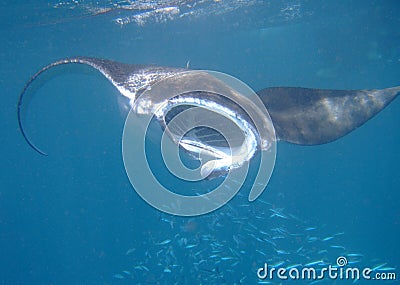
x: 129, y: 79
x: 317, y: 116
x: 115, y: 72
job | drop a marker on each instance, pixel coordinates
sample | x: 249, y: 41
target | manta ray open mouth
x: 195, y: 134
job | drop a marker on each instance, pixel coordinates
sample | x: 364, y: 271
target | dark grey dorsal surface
x: 317, y: 116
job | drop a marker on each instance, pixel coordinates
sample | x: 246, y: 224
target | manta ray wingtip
x: 82, y: 60
x: 35, y: 148
x: 38, y: 150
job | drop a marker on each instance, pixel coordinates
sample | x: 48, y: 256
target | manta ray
x: 302, y: 116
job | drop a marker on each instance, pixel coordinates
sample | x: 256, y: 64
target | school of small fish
x: 227, y: 246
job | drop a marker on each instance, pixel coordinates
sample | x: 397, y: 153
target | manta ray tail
x: 315, y: 116
x: 113, y: 71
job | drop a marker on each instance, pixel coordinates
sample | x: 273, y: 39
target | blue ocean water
x: 73, y: 217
